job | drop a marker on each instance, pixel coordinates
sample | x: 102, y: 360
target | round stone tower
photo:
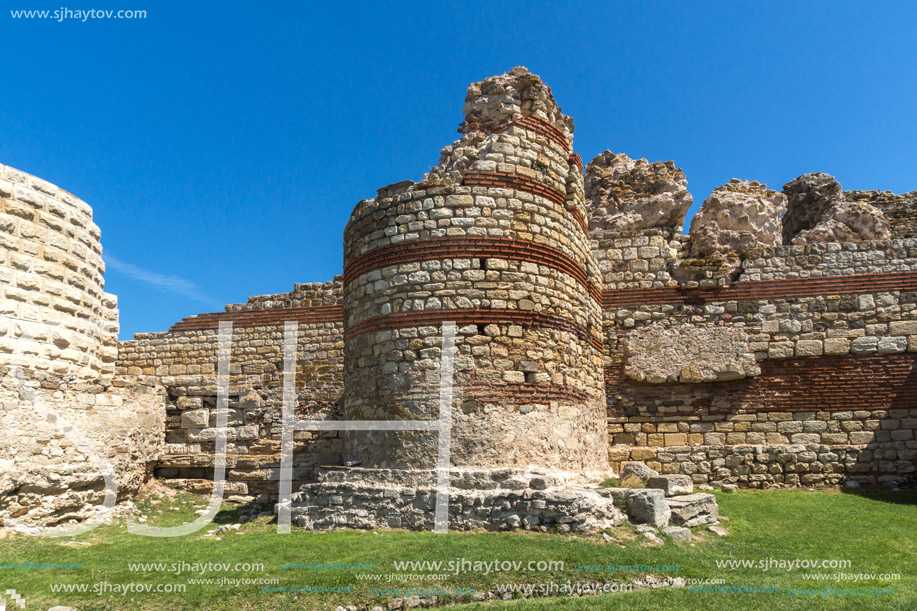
x: 65, y: 419
x: 55, y: 314
x: 494, y: 239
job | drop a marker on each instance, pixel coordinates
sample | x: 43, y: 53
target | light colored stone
x: 671, y: 485
x: 195, y: 419
x: 678, y: 533
x: 626, y: 195
x: 648, y: 506
x: 660, y: 353
x: 693, y: 509
x: 638, y: 469
x: 809, y: 347
x: 837, y: 346
x: 737, y: 217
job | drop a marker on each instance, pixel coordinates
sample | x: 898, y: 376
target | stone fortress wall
x: 772, y: 345
x: 762, y: 349
x: 184, y: 360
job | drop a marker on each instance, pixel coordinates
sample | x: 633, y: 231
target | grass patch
x: 875, y: 531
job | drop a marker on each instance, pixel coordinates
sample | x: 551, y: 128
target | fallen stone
x: 609, y: 539
x: 679, y: 533
x: 671, y: 485
x: 638, y: 469
x: 718, y: 530
x: 729, y: 488
x: 651, y: 540
x: 648, y: 506
x: 693, y: 509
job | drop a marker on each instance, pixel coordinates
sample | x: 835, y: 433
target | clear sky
x: 223, y: 145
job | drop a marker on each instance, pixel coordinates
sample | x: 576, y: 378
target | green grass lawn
x: 876, y: 532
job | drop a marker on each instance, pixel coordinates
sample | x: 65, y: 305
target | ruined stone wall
x: 495, y: 240
x: 45, y: 478
x: 58, y: 344
x: 818, y: 384
x: 638, y: 261
x: 899, y: 210
x: 184, y: 361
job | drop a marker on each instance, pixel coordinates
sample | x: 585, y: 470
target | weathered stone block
x: 809, y: 347
x: 195, y: 419
x: 678, y: 533
x: 837, y: 346
x: 671, y: 485
x: 648, y: 506
x: 638, y: 469
x: 693, y: 509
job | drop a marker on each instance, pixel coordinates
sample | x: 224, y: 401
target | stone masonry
x: 774, y: 345
x: 58, y: 346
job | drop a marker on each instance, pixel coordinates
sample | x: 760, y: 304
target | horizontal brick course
x: 261, y: 318
x: 539, y: 126
x: 764, y: 289
x: 827, y: 383
x: 426, y: 250
x: 505, y: 180
x: 471, y: 316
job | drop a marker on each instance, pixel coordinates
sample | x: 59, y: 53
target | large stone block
x: 648, y: 506
x: 195, y: 419
x: 671, y: 485
x: 693, y: 509
x: 663, y: 353
x: 638, y: 469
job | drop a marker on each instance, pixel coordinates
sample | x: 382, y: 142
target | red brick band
x: 262, y: 318
x: 521, y: 394
x: 506, y: 180
x: 455, y: 248
x: 806, y: 384
x: 540, y: 126
x: 576, y: 159
x: 578, y: 216
x: 765, y: 289
x: 471, y: 316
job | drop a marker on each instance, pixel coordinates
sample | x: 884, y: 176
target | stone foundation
x: 766, y: 466
x: 490, y: 499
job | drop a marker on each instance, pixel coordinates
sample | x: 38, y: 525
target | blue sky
x: 223, y: 145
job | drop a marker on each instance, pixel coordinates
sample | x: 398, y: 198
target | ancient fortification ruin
x: 774, y: 345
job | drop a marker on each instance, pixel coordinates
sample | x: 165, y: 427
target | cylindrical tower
x: 54, y: 314
x: 495, y: 240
